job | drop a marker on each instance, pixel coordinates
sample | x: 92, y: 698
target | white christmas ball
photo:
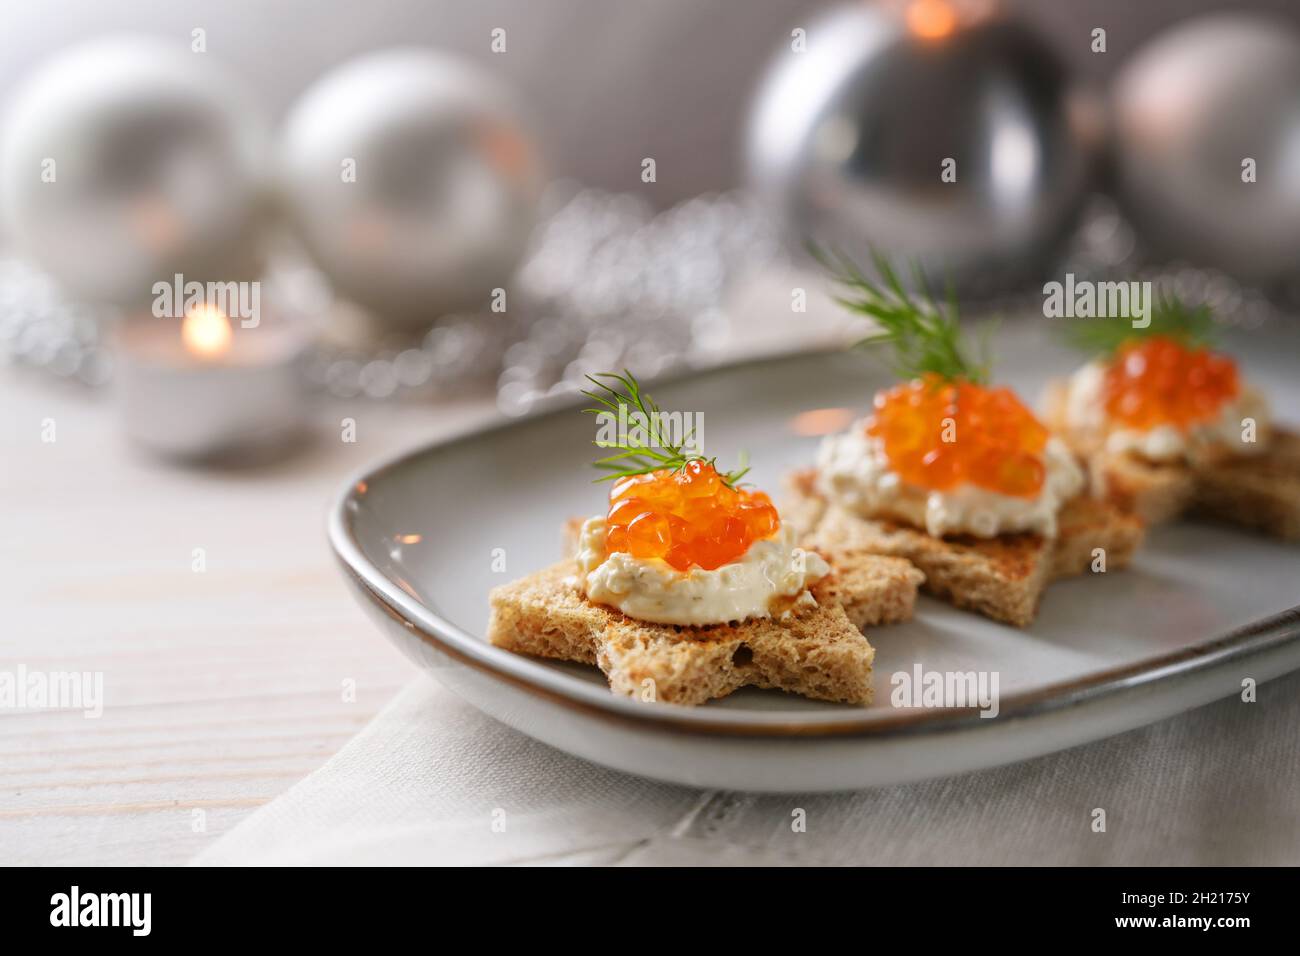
x: 127, y: 160
x: 1189, y: 110
x: 412, y: 182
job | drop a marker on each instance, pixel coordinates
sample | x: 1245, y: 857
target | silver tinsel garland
x: 607, y: 284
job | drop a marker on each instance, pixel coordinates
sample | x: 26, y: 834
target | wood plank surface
x: 221, y: 687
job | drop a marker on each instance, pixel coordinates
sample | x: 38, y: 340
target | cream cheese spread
x: 854, y: 472
x: 772, y: 577
x: 1227, y: 434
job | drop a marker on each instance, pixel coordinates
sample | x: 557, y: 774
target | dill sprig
x: 924, y: 336
x: 1171, y: 317
x: 658, y: 452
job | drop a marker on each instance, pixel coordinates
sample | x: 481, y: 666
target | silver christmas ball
x: 853, y: 138
x: 1193, y: 111
x: 412, y: 183
x: 127, y: 160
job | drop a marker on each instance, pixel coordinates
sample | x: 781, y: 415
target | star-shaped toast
x: 1003, y: 577
x: 818, y: 651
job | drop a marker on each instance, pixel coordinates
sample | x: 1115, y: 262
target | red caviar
x: 939, y: 434
x: 688, y: 516
x: 1161, y: 381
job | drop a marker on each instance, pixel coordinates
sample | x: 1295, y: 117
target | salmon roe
x: 939, y: 434
x: 1162, y: 381
x: 689, y: 517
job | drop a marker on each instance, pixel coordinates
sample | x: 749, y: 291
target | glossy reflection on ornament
x: 937, y: 130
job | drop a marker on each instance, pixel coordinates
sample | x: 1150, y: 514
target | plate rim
x: 538, y: 679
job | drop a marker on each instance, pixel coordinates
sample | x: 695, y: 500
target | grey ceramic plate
x: 1204, y: 608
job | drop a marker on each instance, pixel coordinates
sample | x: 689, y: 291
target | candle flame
x: 931, y: 19
x: 206, y: 332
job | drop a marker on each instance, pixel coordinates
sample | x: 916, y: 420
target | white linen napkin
x: 433, y: 781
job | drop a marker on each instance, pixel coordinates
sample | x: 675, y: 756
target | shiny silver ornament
x: 127, y: 160
x: 1189, y: 110
x: 412, y: 182
x: 849, y: 141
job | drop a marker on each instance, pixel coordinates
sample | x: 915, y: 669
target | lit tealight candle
x: 206, y: 332
x: 203, y: 388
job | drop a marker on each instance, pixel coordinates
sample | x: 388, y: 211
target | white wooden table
x: 222, y: 687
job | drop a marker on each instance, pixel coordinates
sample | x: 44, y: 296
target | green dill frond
x: 923, y: 335
x: 614, y: 392
x: 1171, y: 317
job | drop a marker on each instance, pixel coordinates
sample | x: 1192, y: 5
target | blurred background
x: 503, y: 196
x: 675, y: 76
x: 248, y: 248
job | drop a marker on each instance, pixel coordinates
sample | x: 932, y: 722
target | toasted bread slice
x: 873, y: 589
x: 1260, y: 492
x: 1256, y: 491
x: 1154, y: 492
x: 1089, y: 525
x: 1002, y: 578
x: 817, y: 651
